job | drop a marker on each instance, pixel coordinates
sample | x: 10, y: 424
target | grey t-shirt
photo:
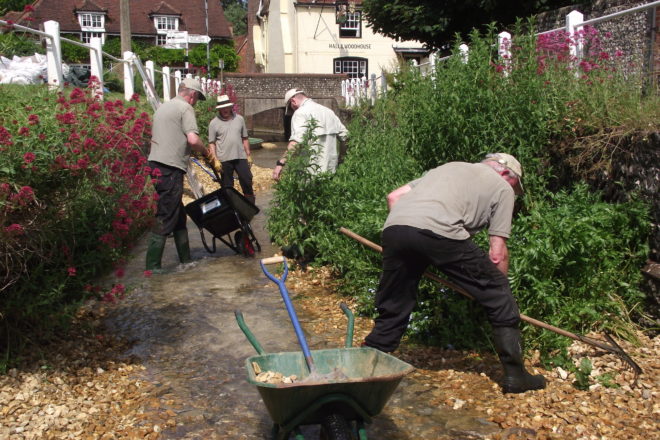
x: 456, y: 200
x: 172, y: 122
x: 228, y: 137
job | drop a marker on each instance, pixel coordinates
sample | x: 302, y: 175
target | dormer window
x: 165, y: 24
x: 92, y: 24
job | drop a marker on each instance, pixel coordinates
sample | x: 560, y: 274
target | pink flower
x: 29, y: 157
x: 147, y: 273
x: 33, y: 119
x: 119, y: 272
x: 71, y: 271
x: 15, y: 229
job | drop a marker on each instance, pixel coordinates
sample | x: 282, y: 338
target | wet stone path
x: 182, y: 328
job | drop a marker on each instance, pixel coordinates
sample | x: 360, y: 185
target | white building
x: 323, y: 36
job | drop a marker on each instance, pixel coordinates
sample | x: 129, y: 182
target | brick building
x: 151, y: 20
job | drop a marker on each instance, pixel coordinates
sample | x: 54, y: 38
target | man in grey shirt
x: 229, y: 144
x: 174, y: 134
x: 431, y: 222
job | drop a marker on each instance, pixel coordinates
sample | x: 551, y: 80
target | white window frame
x: 354, y: 67
x: 167, y: 19
x: 92, y: 24
x: 86, y: 36
x: 352, y: 24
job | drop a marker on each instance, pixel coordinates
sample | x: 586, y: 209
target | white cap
x: 512, y: 164
x: 193, y: 84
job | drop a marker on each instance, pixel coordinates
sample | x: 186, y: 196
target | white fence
x: 360, y: 90
x: 130, y: 61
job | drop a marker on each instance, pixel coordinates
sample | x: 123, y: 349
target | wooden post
x: 177, y: 81
x: 504, y: 50
x: 96, y: 61
x: 465, y: 50
x: 574, y: 22
x: 167, y: 93
x: 125, y: 25
x: 129, y: 85
x: 54, y: 54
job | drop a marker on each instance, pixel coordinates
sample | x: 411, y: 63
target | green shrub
x: 74, y: 196
x: 574, y: 259
x: 15, y: 44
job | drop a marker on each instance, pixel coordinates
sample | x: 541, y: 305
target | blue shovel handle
x: 289, y: 305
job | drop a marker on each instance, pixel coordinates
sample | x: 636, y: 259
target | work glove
x: 250, y: 161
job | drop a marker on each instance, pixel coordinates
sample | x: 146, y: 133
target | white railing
x: 355, y: 91
x: 130, y: 61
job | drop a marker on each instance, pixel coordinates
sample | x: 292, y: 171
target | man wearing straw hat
x: 328, y: 129
x: 431, y: 222
x: 229, y: 145
x: 175, y: 134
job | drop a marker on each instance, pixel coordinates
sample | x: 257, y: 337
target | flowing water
x: 182, y: 328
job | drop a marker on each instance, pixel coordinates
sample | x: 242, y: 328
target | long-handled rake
x: 612, y: 347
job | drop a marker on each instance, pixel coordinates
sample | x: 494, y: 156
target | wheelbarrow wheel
x: 335, y: 427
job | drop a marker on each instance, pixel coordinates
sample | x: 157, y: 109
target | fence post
x: 464, y: 50
x: 177, y: 81
x: 383, y: 83
x: 151, y: 71
x: 96, y: 62
x: 166, y: 84
x: 574, y: 22
x: 373, y: 88
x: 504, y: 50
x: 54, y: 54
x: 129, y: 86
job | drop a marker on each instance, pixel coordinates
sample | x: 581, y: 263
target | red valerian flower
x: 71, y: 271
x: 23, y: 131
x: 29, y: 157
x: 15, y: 229
x: 33, y: 119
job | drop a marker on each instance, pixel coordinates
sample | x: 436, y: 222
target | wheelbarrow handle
x: 350, y: 326
x: 289, y: 306
x: 273, y: 260
x: 246, y: 331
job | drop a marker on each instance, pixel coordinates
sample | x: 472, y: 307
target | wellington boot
x: 182, y: 245
x: 155, y: 250
x: 509, y: 348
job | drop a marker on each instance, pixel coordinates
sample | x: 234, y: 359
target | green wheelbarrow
x: 341, y: 389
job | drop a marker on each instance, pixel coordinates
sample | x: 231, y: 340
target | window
x: 90, y: 21
x: 86, y: 37
x: 351, y: 66
x: 352, y: 26
x: 161, y: 39
x: 165, y: 23
x: 92, y: 25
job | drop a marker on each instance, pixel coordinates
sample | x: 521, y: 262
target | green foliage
x: 236, y: 14
x: 74, y: 196
x: 12, y: 43
x: 575, y: 259
x: 435, y: 23
x: 74, y: 54
x: 226, y: 52
x: 582, y: 373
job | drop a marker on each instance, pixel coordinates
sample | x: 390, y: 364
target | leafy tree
x: 435, y: 23
x: 13, y: 5
x: 236, y: 14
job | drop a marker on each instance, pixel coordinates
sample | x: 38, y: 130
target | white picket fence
x: 355, y: 91
x: 131, y: 62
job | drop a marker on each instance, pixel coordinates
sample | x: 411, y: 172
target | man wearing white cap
x: 174, y: 135
x: 328, y: 128
x: 229, y: 144
x: 431, y: 222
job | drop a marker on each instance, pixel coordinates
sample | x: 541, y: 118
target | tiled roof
x: 191, y: 13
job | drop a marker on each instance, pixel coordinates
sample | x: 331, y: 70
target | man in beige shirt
x: 431, y: 222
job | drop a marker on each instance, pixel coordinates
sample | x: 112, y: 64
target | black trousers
x: 170, y: 215
x: 242, y: 168
x: 407, y: 252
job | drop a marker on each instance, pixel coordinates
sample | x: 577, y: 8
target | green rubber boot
x: 182, y: 245
x: 509, y: 348
x: 155, y: 250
